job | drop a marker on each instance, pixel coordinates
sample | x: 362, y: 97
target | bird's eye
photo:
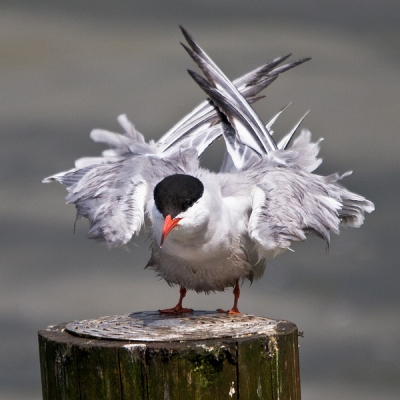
x: 188, y: 203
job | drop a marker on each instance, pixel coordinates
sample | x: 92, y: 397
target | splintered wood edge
x: 151, y: 326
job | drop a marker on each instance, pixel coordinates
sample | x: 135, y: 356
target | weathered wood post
x: 204, y: 355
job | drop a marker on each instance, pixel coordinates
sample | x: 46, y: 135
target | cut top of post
x: 151, y: 326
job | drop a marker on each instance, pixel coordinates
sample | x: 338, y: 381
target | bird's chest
x: 203, y: 262
x: 204, y: 245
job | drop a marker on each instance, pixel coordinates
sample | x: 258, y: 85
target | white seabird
x: 209, y: 231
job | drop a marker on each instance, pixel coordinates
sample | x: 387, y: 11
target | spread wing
x: 112, y: 190
x: 288, y: 201
x: 246, y: 137
x: 203, y: 124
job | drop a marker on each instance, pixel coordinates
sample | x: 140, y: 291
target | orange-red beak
x: 169, y: 224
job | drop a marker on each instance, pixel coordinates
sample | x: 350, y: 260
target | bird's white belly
x: 209, y: 267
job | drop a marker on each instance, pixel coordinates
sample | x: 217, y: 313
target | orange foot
x: 232, y: 311
x: 176, y: 310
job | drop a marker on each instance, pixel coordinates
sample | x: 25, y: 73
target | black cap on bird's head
x: 174, y: 195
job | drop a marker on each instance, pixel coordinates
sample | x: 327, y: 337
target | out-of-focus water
x: 69, y: 67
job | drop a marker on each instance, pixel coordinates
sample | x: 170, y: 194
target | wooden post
x: 150, y: 356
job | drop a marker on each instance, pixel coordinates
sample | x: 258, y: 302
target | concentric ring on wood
x: 151, y: 326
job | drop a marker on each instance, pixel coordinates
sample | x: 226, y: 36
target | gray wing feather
x: 115, y: 215
x: 238, y: 112
x: 112, y: 191
x: 248, y: 131
x: 237, y: 155
x: 205, y: 117
x: 290, y: 202
x: 130, y: 141
x: 112, y: 199
x: 274, y: 118
x: 70, y: 177
x: 284, y: 143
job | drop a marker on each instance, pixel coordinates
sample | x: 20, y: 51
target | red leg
x: 236, y: 294
x: 178, y: 309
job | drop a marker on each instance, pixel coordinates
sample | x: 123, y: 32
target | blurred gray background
x: 69, y: 66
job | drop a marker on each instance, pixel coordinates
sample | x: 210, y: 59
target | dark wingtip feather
x: 195, y: 57
x: 265, y: 69
x: 189, y: 39
x: 203, y: 83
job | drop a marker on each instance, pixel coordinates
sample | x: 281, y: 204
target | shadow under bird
x: 209, y: 231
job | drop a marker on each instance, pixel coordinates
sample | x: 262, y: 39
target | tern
x: 210, y: 231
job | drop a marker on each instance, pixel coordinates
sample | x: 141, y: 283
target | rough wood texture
x: 256, y: 366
